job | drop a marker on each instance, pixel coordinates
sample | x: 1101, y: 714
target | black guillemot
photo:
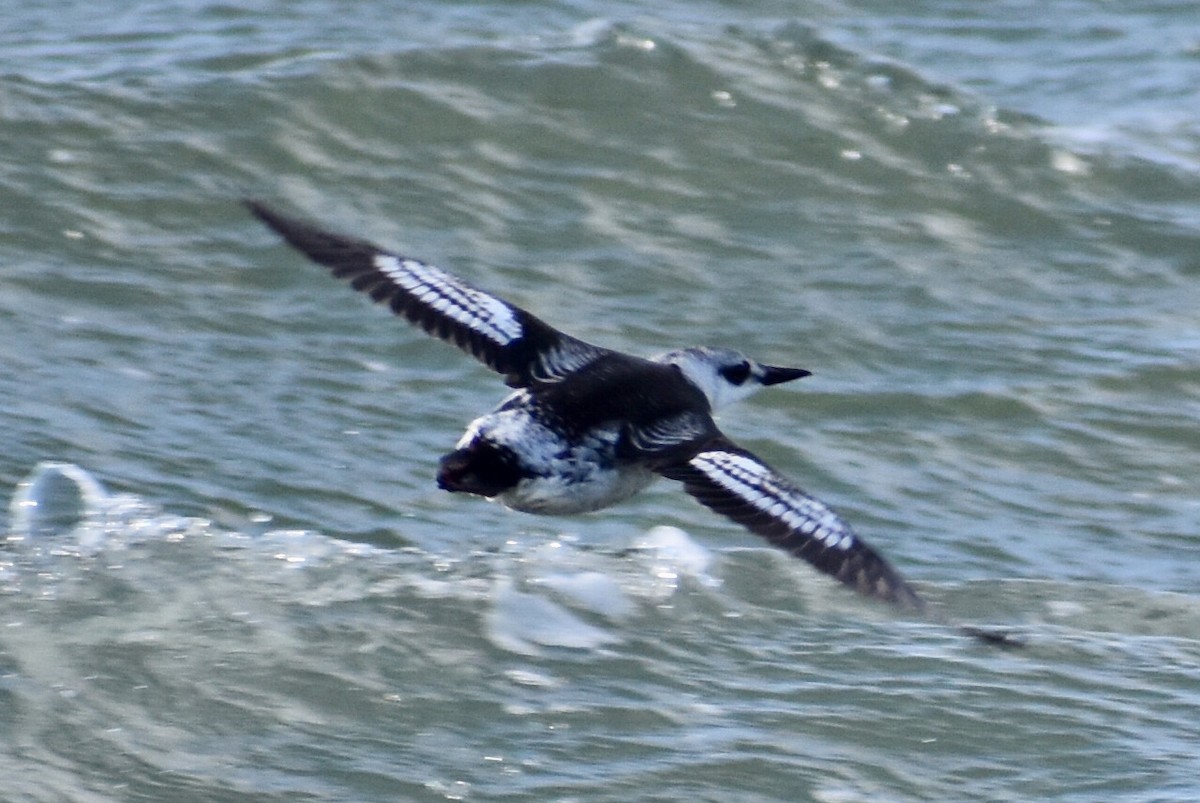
x: 587, y: 427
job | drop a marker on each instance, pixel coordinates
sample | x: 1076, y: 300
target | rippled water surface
x: 228, y: 574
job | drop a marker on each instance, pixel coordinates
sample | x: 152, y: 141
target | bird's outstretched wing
x: 733, y: 482
x: 506, y: 338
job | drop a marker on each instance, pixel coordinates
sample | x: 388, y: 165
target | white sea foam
x: 523, y: 623
x: 62, y: 499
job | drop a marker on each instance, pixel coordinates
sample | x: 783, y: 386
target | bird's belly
x: 557, y: 475
x: 578, y: 492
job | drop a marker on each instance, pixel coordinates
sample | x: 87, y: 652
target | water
x: 977, y: 225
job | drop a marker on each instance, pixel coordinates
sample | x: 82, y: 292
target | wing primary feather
x: 734, y: 483
x: 506, y: 338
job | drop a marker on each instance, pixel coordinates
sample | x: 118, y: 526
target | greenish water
x: 978, y: 226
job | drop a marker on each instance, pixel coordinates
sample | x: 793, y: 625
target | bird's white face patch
x: 443, y: 293
x: 702, y: 366
x: 757, y: 485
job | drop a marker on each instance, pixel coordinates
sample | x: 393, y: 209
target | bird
x: 586, y: 427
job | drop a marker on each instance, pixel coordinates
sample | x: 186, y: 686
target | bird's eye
x: 736, y: 374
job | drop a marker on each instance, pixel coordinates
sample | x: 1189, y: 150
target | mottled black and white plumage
x: 587, y: 427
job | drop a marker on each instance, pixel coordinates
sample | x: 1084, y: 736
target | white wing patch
x: 665, y: 433
x: 760, y: 487
x: 563, y: 359
x: 445, y: 294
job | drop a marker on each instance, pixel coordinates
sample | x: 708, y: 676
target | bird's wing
x: 506, y: 338
x: 733, y: 482
x: 667, y: 440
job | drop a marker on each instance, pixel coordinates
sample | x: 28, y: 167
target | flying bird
x: 587, y: 427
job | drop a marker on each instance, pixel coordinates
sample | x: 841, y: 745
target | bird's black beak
x: 774, y: 375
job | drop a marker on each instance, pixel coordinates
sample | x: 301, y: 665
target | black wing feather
x: 735, y: 483
x: 506, y: 338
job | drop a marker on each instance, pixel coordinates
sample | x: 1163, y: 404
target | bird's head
x: 726, y: 376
